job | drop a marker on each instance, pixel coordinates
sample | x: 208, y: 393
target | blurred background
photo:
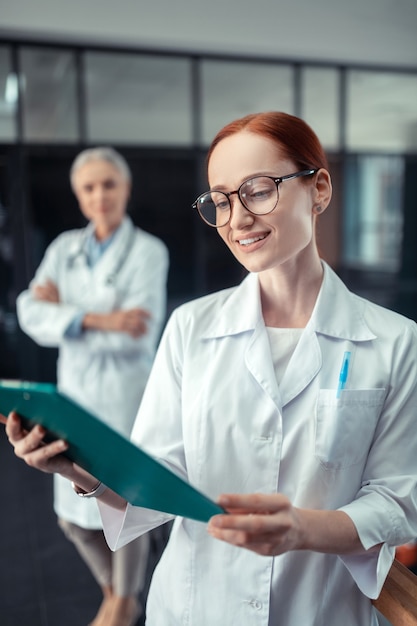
x: 156, y: 80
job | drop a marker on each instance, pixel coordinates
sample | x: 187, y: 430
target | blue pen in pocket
x: 344, y: 370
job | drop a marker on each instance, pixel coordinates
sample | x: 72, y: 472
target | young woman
x: 99, y: 296
x: 288, y: 399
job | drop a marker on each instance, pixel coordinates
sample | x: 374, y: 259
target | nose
x: 99, y: 192
x: 239, y: 215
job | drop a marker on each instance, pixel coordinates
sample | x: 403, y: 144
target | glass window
x: 373, y: 216
x: 8, y: 97
x: 231, y: 89
x: 49, y: 96
x: 382, y: 112
x: 138, y: 99
x: 320, y: 104
x: 48, y: 81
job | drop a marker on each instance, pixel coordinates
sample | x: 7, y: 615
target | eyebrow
x: 244, y: 180
x: 105, y: 181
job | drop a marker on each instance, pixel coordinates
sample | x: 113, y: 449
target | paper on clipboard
x: 107, y: 455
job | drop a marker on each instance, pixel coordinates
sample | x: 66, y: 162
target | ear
x: 322, y: 190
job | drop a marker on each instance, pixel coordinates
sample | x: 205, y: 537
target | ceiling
x: 370, y: 32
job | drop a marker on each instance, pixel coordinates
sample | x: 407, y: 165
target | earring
x: 318, y: 209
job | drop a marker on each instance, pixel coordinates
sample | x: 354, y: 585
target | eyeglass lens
x: 258, y: 195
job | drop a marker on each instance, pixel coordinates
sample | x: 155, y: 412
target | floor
x: 43, y: 581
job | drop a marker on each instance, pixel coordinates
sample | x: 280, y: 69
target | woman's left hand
x: 267, y: 524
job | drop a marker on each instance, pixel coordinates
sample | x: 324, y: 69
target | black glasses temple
x: 309, y: 172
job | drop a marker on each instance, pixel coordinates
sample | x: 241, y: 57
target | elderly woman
x: 99, y: 295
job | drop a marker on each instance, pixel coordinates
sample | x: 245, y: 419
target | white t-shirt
x: 283, y: 342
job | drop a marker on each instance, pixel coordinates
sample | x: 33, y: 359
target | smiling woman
x: 314, y: 454
x: 281, y: 230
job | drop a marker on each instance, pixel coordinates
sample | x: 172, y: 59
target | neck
x: 103, y: 232
x: 288, y: 294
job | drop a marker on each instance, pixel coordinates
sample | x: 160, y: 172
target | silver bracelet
x: 94, y: 493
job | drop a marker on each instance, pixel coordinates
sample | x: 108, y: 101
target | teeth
x: 247, y: 242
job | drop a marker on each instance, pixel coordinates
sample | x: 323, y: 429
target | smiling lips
x: 250, y: 240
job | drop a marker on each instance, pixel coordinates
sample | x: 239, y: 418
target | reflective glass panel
x: 48, y: 82
x: 373, y: 217
x: 231, y: 89
x: 8, y: 97
x: 320, y: 104
x: 382, y: 111
x: 138, y: 99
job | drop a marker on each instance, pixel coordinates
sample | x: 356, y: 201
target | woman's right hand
x: 29, y: 446
x: 48, y: 457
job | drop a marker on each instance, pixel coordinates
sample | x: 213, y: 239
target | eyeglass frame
x: 277, y: 181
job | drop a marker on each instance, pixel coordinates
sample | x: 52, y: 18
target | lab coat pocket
x: 345, y: 426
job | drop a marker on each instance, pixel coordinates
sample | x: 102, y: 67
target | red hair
x: 295, y: 138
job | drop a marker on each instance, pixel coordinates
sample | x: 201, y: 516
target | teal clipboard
x: 117, y: 462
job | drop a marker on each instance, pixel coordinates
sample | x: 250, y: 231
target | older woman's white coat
x: 105, y: 372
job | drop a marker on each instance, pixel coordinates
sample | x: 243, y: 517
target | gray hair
x: 101, y: 154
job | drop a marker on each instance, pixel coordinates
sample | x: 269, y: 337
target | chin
x: 255, y: 268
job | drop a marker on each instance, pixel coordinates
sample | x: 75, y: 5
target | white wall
x: 382, y: 32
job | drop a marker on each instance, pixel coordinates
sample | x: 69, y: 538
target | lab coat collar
x: 337, y: 312
x: 240, y: 312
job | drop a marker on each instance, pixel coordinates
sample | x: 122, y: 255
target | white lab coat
x: 105, y: 372
x: 214, y: 412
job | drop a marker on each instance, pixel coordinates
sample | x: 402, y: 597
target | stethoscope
x: 111, y: 277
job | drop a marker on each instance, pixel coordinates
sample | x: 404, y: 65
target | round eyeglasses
x: 259, y: 195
